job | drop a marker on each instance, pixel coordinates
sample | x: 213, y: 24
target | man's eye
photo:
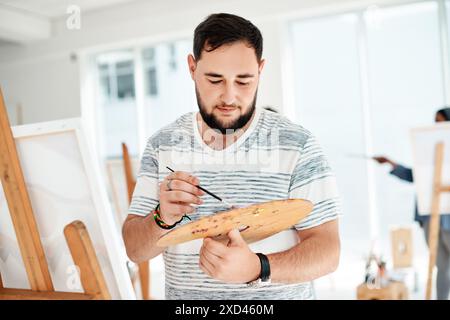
x: 215, y: 82
x: 243, y: 83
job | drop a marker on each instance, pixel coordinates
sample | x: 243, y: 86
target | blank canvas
x: 424, y: 140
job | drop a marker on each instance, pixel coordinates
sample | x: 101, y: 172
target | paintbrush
x: 360, y: 156
x: 210, y: 193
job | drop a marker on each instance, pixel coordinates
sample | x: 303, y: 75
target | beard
x: 228, y: 127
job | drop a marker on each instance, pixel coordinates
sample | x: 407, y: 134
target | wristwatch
x: 264, y: 276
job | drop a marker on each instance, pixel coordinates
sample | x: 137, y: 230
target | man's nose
x: 228, y: 96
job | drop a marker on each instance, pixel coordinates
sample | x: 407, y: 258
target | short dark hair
x: 224, y: 28
x: 445, y: 112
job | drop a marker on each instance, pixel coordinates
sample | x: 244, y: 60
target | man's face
x: 226, y: 83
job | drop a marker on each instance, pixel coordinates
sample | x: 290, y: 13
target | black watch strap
x: 265, y: 267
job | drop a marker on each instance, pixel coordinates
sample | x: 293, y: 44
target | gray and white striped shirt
x: 274, y: 159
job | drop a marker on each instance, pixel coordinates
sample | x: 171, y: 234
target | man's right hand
x: 176, y: 194
x: 382, y: 159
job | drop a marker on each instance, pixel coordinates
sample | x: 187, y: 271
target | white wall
x: 46, y: 88
x: 45, y: 81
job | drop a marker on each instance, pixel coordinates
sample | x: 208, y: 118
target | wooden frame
x: 433, y: 237
x: 118, y: 186
x: 144, y: 267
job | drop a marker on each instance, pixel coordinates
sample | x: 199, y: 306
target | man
x: 247, y: 156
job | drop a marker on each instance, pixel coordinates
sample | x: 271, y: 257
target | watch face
x: 258, y: 283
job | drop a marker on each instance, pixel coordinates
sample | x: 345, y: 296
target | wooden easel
x: 438, y: 189
x: 33, y: 255
x: 144, y: 267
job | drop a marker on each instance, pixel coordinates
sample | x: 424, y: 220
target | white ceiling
x: 56, y: 8
x: 25, y: 21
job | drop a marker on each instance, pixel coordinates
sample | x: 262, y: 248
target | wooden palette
x: 255, y: 222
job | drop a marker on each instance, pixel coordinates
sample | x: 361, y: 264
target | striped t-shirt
x: 273, y: 159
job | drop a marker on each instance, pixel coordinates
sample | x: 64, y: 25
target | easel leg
x: 144, y: 271
x: 434, y: 219
x: 144, y: 277
x: 83, y: 255
x: 20, y: 209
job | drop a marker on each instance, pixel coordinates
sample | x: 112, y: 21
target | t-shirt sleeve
x: 313, y: 180
x: 403, y: 173
x: 146, y: 192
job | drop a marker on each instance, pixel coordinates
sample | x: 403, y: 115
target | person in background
x: 443, y: 256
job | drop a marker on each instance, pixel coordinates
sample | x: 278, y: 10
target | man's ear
x: 261, y: 66
x: 192, y: 65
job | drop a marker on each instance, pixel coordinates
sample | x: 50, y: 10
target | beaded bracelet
x: 161, y: 223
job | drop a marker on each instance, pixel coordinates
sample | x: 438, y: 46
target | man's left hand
x: 232, y: 263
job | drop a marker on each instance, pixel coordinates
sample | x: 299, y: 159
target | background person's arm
x: 397, y: 170
x: 383, y: 159
x: 403, y: 173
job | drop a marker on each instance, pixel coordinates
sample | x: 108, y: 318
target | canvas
x: 424, y: 140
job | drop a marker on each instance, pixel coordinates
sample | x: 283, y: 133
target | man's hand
x: 232, y: 263
x: 382, y: 159
x: 176, y: 194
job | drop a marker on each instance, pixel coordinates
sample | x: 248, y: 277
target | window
x: 125, y: 79
x: 116, y: 112
x: 150, y: 71
x: 116, y: 76
x: 124, y: 117
x: 170, y: 90
x: 328, y: 101
x: 173, y: 57
x: 105, y: 80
